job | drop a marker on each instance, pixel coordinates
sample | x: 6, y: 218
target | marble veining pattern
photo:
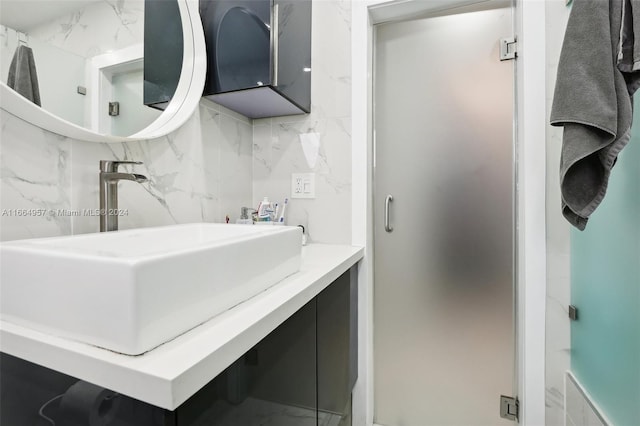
x: 186, y: 179
x: 199, y: 173
x: 580, y: 410
x: 96, y: 28
x: 35, y: 181
x: 235, y: 145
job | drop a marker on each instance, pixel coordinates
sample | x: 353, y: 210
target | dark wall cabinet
x: 163, y: 51
x: 301, y: 374
x: 259, y: 55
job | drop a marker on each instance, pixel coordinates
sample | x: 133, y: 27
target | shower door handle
x: 387, y: 202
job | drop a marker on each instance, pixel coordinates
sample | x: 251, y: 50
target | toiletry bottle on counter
x: 265, y: 210
x: 244, y: 216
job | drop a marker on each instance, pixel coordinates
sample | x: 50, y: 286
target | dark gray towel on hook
x: 593, y: 99
x: 22, y: 74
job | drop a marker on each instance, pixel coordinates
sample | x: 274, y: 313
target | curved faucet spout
x: 116, y: 176
x: 109, y: 178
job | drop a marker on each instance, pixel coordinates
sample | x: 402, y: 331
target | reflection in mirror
x: 88, y: 55
x: 164, y: 43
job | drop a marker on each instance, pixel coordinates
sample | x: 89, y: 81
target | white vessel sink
x: 130, y: 291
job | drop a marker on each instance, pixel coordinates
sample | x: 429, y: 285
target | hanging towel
x: 593, y: 99
x: 22, y: 74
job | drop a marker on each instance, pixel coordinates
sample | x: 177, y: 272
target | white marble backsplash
x: 35, y: 181
x: 200, y: 173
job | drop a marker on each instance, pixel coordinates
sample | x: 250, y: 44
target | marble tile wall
x: 49, y: 184
x: 558, y: 337
x: 96, y: 28
x: 277, y: 150
x: 580, y: 410
x: 35, y: 181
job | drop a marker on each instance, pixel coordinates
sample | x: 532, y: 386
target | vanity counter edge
x: 169, y: 374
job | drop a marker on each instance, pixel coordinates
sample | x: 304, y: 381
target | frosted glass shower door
x: 443, y: 268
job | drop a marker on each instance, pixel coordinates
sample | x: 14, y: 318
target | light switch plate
x: 303, y: 185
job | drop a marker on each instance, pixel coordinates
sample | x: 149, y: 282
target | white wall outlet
x: 303, y: 185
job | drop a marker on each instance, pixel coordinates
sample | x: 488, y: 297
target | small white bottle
x: 265, y: 210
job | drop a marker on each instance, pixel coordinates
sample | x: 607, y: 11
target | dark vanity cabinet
x: 259, y: 55
x: 301, y: 374
x: 163, y: 51
x: 37, y: 396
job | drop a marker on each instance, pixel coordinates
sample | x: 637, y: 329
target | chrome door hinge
x: 508, y: 48
x: 509, y: 407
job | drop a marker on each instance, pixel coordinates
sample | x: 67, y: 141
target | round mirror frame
x: 184, y: 102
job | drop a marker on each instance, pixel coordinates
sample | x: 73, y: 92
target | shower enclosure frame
x: 529, y: 161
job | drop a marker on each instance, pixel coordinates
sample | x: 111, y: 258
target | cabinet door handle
x: 275, y: 28
x: 387, y: 201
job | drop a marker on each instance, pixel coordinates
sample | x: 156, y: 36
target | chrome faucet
x: 109, y: 177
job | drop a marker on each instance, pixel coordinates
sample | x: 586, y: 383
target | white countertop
x: 169, y: 374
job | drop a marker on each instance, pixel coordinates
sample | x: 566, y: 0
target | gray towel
x: 22, y: 74
x: 593, y: 99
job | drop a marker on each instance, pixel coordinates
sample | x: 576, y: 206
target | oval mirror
x: 85, y: 60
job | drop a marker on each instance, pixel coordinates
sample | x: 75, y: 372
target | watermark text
x: 37, y: 212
